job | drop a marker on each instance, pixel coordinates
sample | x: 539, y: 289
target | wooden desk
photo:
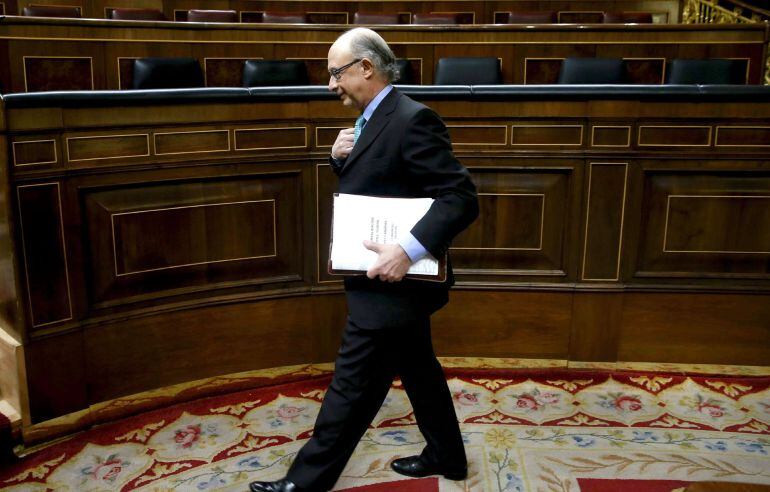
x: 151, y: 243
x: 83, y: 54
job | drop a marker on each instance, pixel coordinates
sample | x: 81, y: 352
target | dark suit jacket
x: 404, y: 151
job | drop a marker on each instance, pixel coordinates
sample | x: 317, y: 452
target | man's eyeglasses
x: 337, y: 72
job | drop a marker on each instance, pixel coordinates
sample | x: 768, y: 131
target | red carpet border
x: 524, y: 430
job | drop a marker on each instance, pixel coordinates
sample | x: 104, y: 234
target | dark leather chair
x: 284, y: 18
x: 51, y: 11
x: 713, y: 71
x: 450, y: 19
x: 531, y: 18
x: 592, y: 71
x: 627, y: 18
x: 137, y: 14
x: 197, y: 15
x: 374, y: 19
x: 404, y: 71
x: 468, y: 71
x: 261, y: 73
x: 167, y: 73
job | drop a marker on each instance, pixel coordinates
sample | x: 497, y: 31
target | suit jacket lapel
x: 375, y: 125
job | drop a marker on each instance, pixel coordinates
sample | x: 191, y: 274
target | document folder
x: 383, y: 220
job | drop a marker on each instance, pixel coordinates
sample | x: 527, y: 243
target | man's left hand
x: 392, y: 261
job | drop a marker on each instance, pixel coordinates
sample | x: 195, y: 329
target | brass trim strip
x: 93, y: 137
x: 628, y: 135
x: 547, y: 126
x: 55, y: 153
x: 639, y: 136
x: 270, y: 128
x: 155, y: 142
x: 64, y: 251
x: 665, y: 229
x: 622, y: 221
x: 89, y: 58
x: 115, y: 250
x: 542, y: 225
x: 504, y: 127
x: 716, y: 136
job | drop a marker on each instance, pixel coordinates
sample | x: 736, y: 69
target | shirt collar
x: 376, y: 102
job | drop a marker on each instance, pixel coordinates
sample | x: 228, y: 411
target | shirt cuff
x: 413, y: 248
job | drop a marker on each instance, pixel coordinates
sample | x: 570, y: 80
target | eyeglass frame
x: 337, y: 72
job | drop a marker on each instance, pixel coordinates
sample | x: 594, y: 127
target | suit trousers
x: 367, y: 362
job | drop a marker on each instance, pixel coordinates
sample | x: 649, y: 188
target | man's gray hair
x: 365, y: 43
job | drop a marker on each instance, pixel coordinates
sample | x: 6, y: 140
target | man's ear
x: 367, y: 67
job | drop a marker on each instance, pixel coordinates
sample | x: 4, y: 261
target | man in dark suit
x: 398, y: 148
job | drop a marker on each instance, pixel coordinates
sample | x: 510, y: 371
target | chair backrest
x: 713, y: 71
x: 468, y: 71
x: 404, y: 71
x: 435, y: 19
x: 592, y: 71
x: 627, y: 18
x: 167, y: 73
x: 51, y: 11
x: 284, y: 18
x: 532, y: 18
x: 137, y: 14
x: 373, y: 19
x: 196, y: 15
x: 260, y: 73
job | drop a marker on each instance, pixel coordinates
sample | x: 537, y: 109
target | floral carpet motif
x: 537, y: 430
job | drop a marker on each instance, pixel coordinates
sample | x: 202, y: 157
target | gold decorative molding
x: 505, y: 134
x: 721, y: 127
x: 593, y: 135
x: 97, y: 137
x: 542, y: 225
x: 580, y: 138
x: 285, y: 128
x: 673, y: 127
x: 156, y: 135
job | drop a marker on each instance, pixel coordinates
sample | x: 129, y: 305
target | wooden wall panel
x: 702, y: 224
x: 605, y: 211
x: 209, y: 232
x: 44, y: 253
x: 695, y: 328
x: 522, y: 226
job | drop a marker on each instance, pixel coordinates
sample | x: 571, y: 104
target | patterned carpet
x: 537, y: 430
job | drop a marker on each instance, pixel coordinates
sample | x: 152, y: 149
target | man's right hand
x: 344, y: 144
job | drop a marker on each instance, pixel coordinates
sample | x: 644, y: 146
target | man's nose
x: 332, y: 83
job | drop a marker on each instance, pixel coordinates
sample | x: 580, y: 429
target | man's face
x: 351, y: 86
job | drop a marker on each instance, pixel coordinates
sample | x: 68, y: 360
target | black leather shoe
x: 281, y: 485
x: 413, y: 466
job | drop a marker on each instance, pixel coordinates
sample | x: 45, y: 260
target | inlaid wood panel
x: 542, y: 134
x: 188, y: 235
x: 522, y: 224
x: 605, y: 211
x: 35, y: 152
x: 271, y: 138
x: 191, y: 141
x: 44, y: 254
x: 702, y: 224
x: 611, y: 136
x: 542, y: 70
x: 224, y: 72
x: 742, y: 136
x: 58, y: 73
x: 325, y: 136
x: 478, y: 135
x: 93, y: 147
x: 674, y: 136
